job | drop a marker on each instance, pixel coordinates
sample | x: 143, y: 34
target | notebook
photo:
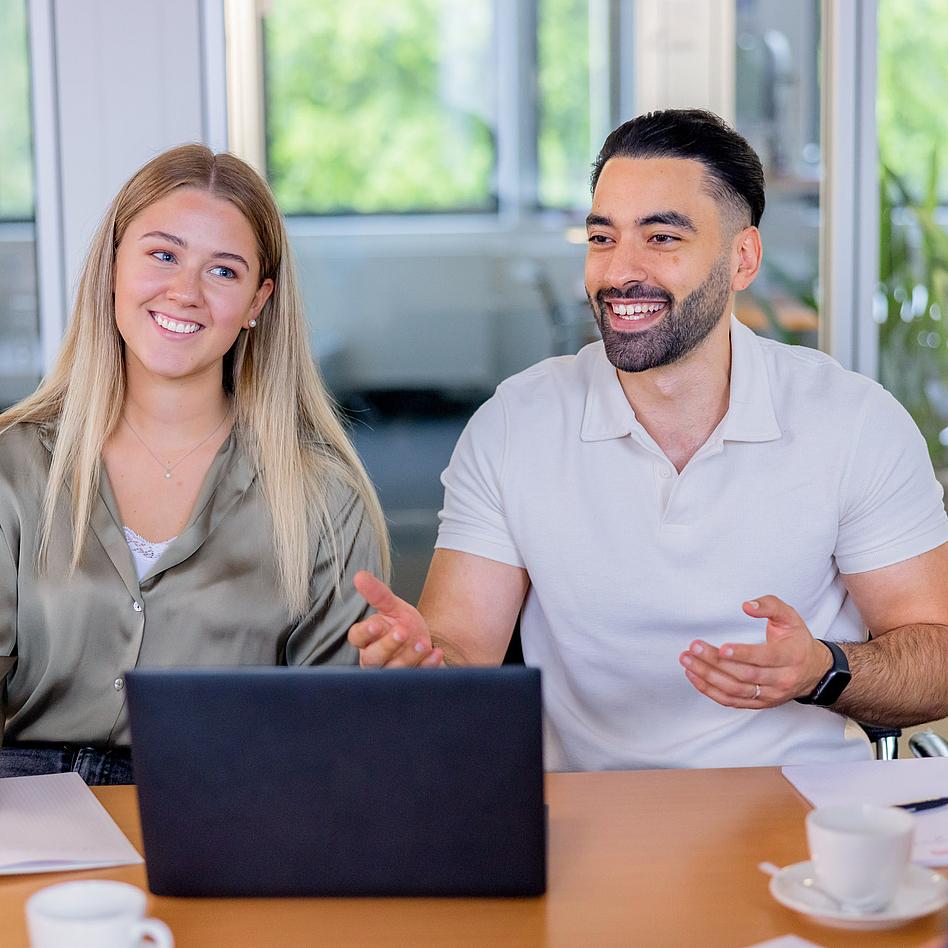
x: 318, y: 781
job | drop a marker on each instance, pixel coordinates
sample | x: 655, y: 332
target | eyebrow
x: 178, y: 242
x: 668, y: 218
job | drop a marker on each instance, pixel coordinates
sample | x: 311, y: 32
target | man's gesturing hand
x: 789, y: 664
x: 396, y: 636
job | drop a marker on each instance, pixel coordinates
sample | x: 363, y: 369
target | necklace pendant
x: 167, y: 475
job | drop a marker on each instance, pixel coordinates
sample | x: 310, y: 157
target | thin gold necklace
x: 170, y: 467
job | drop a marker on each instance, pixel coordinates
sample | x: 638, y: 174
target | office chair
x: 884, y: 739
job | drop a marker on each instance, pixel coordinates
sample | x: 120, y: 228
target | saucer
x: 920, y: 892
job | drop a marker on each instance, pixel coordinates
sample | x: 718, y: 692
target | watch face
x: 831, y: 687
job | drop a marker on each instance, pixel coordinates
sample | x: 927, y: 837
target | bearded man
x: 720, y: 547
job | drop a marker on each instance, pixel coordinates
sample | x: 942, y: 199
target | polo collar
x: 750, y: 412
x: 750, y: 415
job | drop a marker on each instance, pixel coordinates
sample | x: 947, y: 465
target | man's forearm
x: 899, y: 678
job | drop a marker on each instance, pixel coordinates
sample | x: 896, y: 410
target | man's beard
x: 684, y: 326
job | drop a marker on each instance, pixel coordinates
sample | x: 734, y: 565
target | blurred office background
x: 432, y: 158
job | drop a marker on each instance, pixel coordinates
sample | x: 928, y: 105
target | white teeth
x: 173, y: 326
x: 636, y: 310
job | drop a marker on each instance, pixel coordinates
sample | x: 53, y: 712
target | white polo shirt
x: 814, y: 471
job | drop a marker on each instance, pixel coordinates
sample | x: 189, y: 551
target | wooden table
x: 647, y: 858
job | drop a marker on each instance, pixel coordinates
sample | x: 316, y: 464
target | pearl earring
x: 252, y: 323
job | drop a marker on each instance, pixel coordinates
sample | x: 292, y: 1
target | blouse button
x: 118, y: 684
x: 137, y: 606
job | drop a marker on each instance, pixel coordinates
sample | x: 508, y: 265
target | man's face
x: 658, y: 271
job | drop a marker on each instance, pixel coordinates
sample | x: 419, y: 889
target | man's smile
x: 633, y: 315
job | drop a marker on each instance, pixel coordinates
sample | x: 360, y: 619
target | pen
x: 917, y: 805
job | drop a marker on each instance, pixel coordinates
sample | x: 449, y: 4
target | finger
x: 369, y: 630
x: 378, y: 595
x: 739, y: 671
x: 411, y: 655
x: 434, y: 660
x: 722, y: 681
x: 763, y: 655
x: 774, y: 609
x: 383, y: 651
x: 723, y: 698
x: 773, y: 654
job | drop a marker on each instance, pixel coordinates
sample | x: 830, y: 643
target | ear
x: 747, y: 253
x: 263, y: 293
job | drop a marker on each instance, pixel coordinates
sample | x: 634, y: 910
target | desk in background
x: 650, y: 858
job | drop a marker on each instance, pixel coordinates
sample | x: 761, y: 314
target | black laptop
x: 316, y: 781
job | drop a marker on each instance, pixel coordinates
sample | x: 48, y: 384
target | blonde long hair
x: 287, y: 425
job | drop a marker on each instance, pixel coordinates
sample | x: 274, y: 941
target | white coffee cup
x: 92, y: 914
x: 860, y: 852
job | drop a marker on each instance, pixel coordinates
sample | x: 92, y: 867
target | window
x: 380, y: 107
x: 564, y: 151
x: 16, y: 159
x: 375, y: 107
x: 912, y: 303
x: 19, y: 331
x: 778, y: 111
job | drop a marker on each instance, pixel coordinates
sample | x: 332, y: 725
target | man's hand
x: 396, y: 636
x: 789, y: 664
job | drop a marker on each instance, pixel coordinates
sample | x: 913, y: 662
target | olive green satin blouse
x: 212, y: 598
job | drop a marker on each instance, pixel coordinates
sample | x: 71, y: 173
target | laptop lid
x: 318, y: 781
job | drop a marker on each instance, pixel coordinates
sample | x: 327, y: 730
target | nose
x: 185, y: 287
x: 625, y: 266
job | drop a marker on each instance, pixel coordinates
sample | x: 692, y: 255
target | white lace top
x: 144, y: 552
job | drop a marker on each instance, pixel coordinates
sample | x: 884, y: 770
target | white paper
x: 54, y: 823
x: 885, y: 782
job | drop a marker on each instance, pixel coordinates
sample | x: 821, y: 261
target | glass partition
x: 912, y: 302
x: 19, y: 328
x: 778, y: 111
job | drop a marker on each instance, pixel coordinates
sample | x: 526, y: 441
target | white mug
x: 860, y: 852
x: 92, y: 914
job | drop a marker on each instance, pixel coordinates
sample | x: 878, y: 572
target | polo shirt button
x: 664, y: 472
x: 118, y: 684
x: 137, y: 606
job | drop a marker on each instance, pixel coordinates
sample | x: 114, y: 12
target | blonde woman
x: 179, y: 490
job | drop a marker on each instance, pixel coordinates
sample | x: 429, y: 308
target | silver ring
x: 756, y: 692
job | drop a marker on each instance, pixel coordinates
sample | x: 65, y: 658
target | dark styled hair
x: 734, y: 173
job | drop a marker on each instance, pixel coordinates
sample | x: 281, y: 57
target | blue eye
x: 225, y: 272
x: 164, y: 256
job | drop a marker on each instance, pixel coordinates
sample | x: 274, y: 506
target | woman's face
x: 187, y: 280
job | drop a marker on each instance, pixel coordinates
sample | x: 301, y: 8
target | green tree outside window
x: 380, y: 107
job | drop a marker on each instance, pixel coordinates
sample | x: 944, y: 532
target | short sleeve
x: 320, y: 637
x: 892, y: 506
x: 473, y: 519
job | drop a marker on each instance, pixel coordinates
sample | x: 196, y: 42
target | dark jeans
x: 95, y: 765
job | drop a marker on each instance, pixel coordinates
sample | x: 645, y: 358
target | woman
x: 179, y: 490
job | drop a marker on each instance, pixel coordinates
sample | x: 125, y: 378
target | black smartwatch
x: 833, y: 683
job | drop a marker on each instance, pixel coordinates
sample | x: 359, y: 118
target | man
x: 690, y: 517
